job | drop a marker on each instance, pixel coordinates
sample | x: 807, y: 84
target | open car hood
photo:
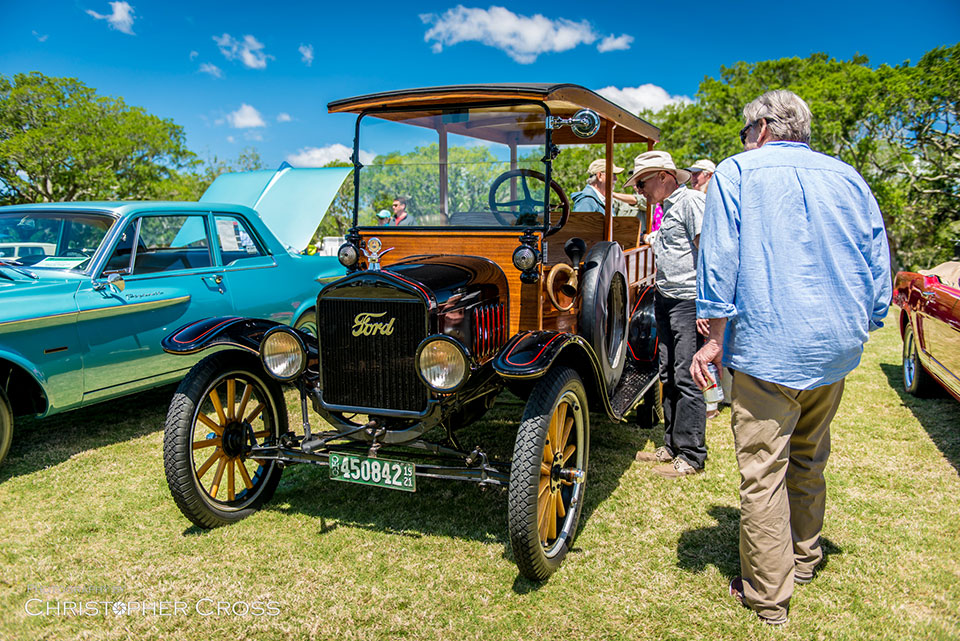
x: 292, y: 202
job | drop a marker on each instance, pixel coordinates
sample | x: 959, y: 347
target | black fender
x: 530, y: 354
x: 233, y: 331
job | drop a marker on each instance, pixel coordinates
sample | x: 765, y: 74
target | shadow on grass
x: 450, y: 509
x: 939, y: 415
x: 719, y: 545
x: 43, y: 442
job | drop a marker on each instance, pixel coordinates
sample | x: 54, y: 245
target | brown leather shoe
x: 660, y: 455
x: 675, y: 470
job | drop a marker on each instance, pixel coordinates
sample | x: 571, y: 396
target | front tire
x: 548, y: 474
x: 6, y: 425
x: 916, y: 380
x: 223, y: 405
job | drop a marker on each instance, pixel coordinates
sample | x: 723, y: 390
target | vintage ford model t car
x: 494, y: 285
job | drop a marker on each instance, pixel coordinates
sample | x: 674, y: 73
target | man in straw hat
x: 655, y: 175
x: 786, y: 229
x: 700, y: 174
x: 593, y: 196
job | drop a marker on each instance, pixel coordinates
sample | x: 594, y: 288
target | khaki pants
x: 782, y: 441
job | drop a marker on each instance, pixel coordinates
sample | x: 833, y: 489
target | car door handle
x: 215, y: 280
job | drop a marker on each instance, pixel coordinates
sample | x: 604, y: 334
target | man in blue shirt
x: 593, y: 195
x: 794, y: 273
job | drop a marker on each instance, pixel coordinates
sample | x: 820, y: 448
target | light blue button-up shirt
x: 794, y: 252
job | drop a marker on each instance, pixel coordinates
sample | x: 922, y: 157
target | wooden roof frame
x: 617, y: 126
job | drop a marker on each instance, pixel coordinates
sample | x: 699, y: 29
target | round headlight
x: 442, y: 364
x: 283, y: 354
x: 347, y: 255
x: 524, y: 258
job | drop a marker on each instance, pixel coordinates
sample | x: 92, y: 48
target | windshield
x: 476, y: 167
x: 54, y: 240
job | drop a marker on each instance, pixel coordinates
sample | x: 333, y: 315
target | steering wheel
x: 527, y: 206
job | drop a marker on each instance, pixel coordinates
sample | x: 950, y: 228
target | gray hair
x: 788, y: 116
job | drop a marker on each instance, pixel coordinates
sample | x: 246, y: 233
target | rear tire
x: 603, y: 308
x: 6, y: 425
x: 916, y: 380
x: 226, y: 400
x: 549, y: 473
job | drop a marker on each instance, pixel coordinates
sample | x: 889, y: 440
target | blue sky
x: 238, y: 74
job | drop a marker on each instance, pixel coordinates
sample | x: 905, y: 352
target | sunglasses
x: 639, y: 184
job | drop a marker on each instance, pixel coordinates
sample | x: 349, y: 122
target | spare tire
x: 603, y: 308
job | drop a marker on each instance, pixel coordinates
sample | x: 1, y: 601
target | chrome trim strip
x: 129, y: 308
x: 39, y: 322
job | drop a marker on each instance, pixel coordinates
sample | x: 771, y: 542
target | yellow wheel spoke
x: 567, y: 427
x: 247, y: 390
x: 262, y: 434
x: 551, y: 518
x: 544, y: 485
x: 567, y: 453
x: 231, y: 397
x: 208, y: 442
x: 542, y: 507
x: 203, y: 418
x: 245, y: 475
x: 215, y: 399
x: 562, y: 432
x: 231, y: 481
x: 255, y: 413
x: 561, y: 512
x: 544, y: 469
x: 216, y: 477
x: 210, y: 461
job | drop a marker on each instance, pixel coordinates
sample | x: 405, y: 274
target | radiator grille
x: 373, y: 369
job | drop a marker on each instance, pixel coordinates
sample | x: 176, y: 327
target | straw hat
x: 651, y: 161
x: 600, y: 164
x: 702, y: 165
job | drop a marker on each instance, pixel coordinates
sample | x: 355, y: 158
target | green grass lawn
x: 87, y: 517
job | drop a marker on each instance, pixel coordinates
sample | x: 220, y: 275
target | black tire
x: 307, y: 322
x: 6, y: 425
x: 650, y: 412
x: 544, y: 507
x: 603, y: 308
x: 916, y: 380
x: 185, y: 433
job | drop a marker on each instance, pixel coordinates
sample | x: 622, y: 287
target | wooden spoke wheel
x: 225, y: 406
x: 549, y: 473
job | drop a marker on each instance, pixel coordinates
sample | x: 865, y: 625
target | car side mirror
x: 114, y: 282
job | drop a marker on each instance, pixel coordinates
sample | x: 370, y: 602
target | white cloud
x: 647, y: 96
x: 231, y: 139
x: 321, y: 156
x: 283, y: 117
x: 249, y: 51
x: 245, y: 117
x: 523, y: 38
x: 40, y: 38
x: 306, y: 53
x: 194, y: 54
x: 121, y: 19
x: 618, y: 43
x: 213, y: 70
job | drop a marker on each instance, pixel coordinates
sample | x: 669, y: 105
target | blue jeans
x: 684, y: 411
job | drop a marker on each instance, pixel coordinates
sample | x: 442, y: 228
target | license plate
x: 393, y: 475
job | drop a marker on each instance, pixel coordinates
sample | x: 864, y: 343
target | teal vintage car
x: 83, y: 311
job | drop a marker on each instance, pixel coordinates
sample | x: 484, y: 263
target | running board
x: 636, y: 380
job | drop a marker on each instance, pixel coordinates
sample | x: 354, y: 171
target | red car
x: 930, y: 326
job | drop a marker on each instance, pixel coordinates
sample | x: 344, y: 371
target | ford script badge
x: 369, y: 324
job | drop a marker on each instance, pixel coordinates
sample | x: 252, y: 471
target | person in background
x: 786, y: 228
x: 383, y: 217
x: 400, y: 215
x: 700, y: 174
x: 593, y: 196
x: 675, y: 251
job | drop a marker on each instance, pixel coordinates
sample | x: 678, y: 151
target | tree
x: 60, y: 141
